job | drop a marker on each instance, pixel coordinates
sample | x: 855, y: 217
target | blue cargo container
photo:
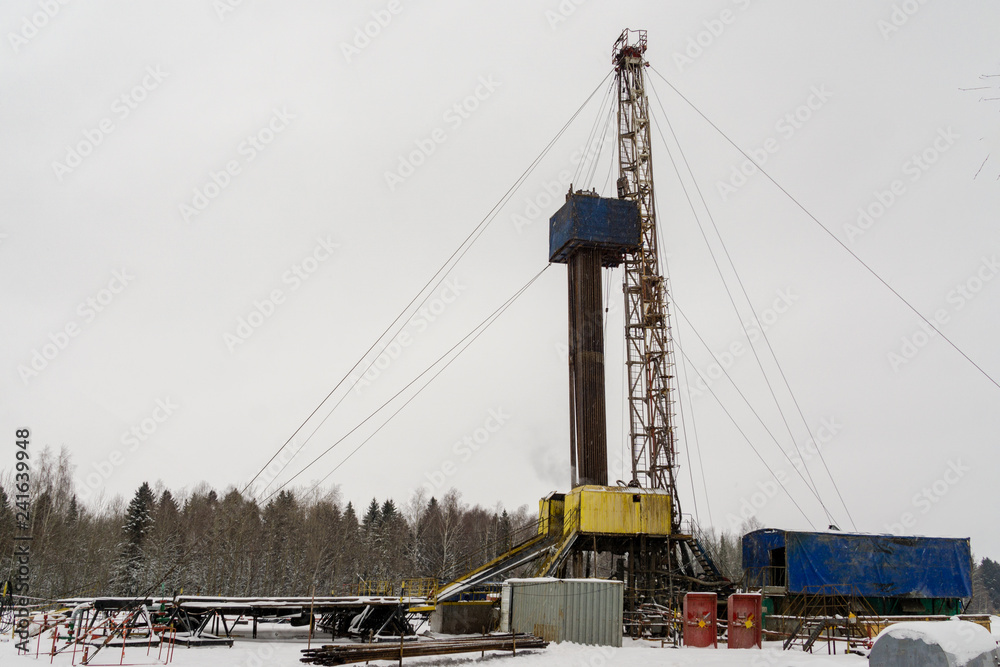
x: 590, y: 221
x: 877, y: 567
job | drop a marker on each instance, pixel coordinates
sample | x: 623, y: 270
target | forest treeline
x: 209, y: 543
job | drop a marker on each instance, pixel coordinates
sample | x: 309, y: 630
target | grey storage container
x: 583, y: 611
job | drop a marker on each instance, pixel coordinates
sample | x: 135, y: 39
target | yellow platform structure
x: 606, y: 510
x: 632, y: 525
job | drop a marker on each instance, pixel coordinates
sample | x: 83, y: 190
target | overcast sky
x: 211, y: 210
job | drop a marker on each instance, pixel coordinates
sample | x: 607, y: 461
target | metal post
x: 312, y: 603
x: 55, y: 637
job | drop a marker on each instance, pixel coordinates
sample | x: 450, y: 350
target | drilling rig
x: 632, y: 531
x: 658, y: 556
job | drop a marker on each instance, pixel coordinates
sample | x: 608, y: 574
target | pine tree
x: 505, y: 533
x: 73, y: 513
x: 393, y: 543
x: 139, y: 516
x: 163, y: 544
x: 372, y: 563
x: 989, y: 571
x: 432, y: 562
x: 373, y: 517
x: 282, y: 519
x: 138, y: 523
x: 350, y: 519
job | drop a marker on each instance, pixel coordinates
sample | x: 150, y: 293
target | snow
x: 271, y: 653
x: 995, y: 626
x: 540, y: 580
x: 624, y: 489
x: 963, y: 639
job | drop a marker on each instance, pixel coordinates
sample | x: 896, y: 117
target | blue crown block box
x: 589, y: 221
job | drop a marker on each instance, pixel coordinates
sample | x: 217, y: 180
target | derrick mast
x: 631, y: 533
x: 649, y: 355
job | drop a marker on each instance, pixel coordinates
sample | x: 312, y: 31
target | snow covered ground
x: 277, y: 653
x: 281, y: 646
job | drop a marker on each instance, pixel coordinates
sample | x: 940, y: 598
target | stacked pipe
x: 588, y: 421
x: 342, y: 654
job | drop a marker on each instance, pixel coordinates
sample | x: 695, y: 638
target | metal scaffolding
x: 649, y: 356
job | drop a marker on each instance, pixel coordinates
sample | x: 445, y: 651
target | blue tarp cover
x: 585, y: 220
x: 858, y: 564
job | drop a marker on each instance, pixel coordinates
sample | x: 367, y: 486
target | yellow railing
x: 418, y: 588
x: 375, y: 588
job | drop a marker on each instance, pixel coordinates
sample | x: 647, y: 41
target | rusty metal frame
x: 649, y: 358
